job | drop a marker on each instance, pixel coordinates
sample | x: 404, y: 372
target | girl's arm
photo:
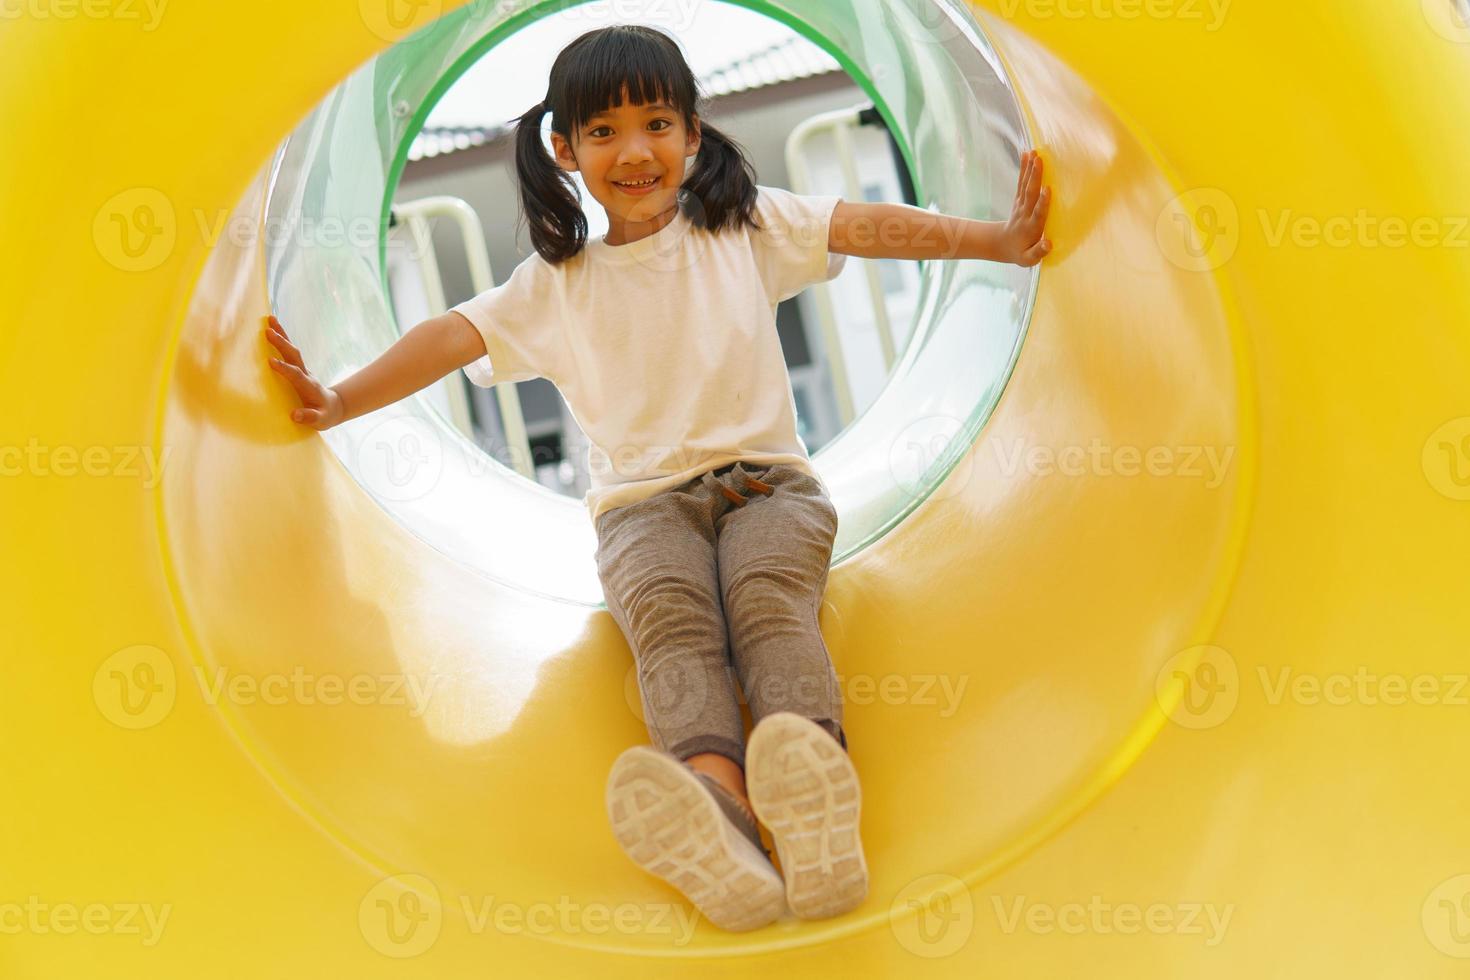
x: 416, y: 360
x: 902, y: 231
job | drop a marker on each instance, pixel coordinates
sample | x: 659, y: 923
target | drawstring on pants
x: 735, y: 496
x: 751, y: 483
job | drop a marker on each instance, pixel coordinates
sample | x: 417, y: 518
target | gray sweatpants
x: 724, y: 571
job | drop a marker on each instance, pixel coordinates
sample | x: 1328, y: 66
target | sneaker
x: 668, y: 820
x: 805, y: 790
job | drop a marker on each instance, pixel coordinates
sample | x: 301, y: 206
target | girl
x: 714, y: 532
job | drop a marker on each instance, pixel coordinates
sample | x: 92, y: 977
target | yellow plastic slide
x: 1166, y: 679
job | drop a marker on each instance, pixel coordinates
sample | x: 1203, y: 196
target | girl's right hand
x: 321, y: 406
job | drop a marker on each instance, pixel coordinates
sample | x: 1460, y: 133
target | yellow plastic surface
x: 1082, y: 702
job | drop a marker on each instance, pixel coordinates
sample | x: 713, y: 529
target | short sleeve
x: 791, y: 246
x: 519, y: 323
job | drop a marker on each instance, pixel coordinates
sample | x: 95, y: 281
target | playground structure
x: 1152, y: 660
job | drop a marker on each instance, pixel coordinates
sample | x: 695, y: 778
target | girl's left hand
x: 1025, y: 243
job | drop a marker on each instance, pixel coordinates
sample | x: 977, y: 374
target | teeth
x: 641, y: 183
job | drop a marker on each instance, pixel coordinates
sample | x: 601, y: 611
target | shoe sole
x: 670, y: 826
x: 804, y: 788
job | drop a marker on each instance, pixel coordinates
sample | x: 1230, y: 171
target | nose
x: 634, y: 150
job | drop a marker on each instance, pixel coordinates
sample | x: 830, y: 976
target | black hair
x: 588, y: 77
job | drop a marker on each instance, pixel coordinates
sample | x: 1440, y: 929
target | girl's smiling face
x: 632, y: 158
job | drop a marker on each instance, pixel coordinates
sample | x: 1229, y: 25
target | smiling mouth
x: 637, y: 184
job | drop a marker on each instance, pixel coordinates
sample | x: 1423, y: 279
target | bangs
x: 648, y: 64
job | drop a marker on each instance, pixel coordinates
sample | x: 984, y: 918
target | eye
x: 666, y: 123
x: 593, y: 132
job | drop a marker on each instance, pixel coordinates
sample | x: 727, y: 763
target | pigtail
x: 721, y: 187
x: 549, y: 201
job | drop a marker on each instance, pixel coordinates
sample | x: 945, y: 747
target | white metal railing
x: 416, y: 216
x: 841, y: 123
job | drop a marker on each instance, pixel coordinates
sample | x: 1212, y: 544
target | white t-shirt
x: 665, y: 348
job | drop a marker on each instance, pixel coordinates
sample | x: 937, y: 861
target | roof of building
x: 791, y: 59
